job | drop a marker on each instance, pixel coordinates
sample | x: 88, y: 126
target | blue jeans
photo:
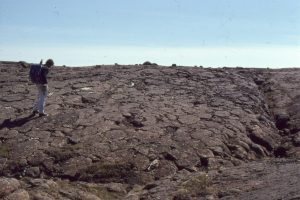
x: 39, y: 105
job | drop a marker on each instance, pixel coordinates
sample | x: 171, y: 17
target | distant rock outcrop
x: 151, y: 132
x: 149, y: 63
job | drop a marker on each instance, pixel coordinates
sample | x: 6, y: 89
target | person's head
x: 49, y: 63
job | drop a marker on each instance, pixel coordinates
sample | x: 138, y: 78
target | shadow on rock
x: 7, y: 123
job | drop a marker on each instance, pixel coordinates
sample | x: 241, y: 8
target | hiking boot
x: 43, y: 114
x: 34, y: 112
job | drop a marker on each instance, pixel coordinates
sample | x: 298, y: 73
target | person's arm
x: 45, y: 72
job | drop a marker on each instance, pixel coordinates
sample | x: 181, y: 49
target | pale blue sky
x: 256, y: 33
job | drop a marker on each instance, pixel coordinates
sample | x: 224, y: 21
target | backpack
x: 35, y: 73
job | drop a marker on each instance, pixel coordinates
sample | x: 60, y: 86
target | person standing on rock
x: 38, y: 75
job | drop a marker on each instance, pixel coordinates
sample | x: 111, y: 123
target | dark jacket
x: 44, y: 73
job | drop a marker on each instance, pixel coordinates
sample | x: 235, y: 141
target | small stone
x: 8, y: 185
x: 205, y: 116
x: 42, y: 196
x: 258, y: 150
x: 18, y: 195
x: 73, y: 140
x: 188, y: 119
x: 209, y: 197
x: 87, y: 196
x: 116, y: 187
x: 33, y: 172
x: 296, y: 139
x: 153, y: 164
x: 222, y: 113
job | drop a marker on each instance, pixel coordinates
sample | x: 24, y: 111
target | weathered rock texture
x: 151, y: 132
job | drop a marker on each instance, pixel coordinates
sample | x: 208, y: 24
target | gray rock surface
x: 151, y: 132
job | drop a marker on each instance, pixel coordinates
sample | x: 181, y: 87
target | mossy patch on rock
x: 4, y: 150
x: 110, y: 172
x: 195, y: 186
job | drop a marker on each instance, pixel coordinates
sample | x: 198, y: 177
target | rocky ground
x: 151, y: 132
